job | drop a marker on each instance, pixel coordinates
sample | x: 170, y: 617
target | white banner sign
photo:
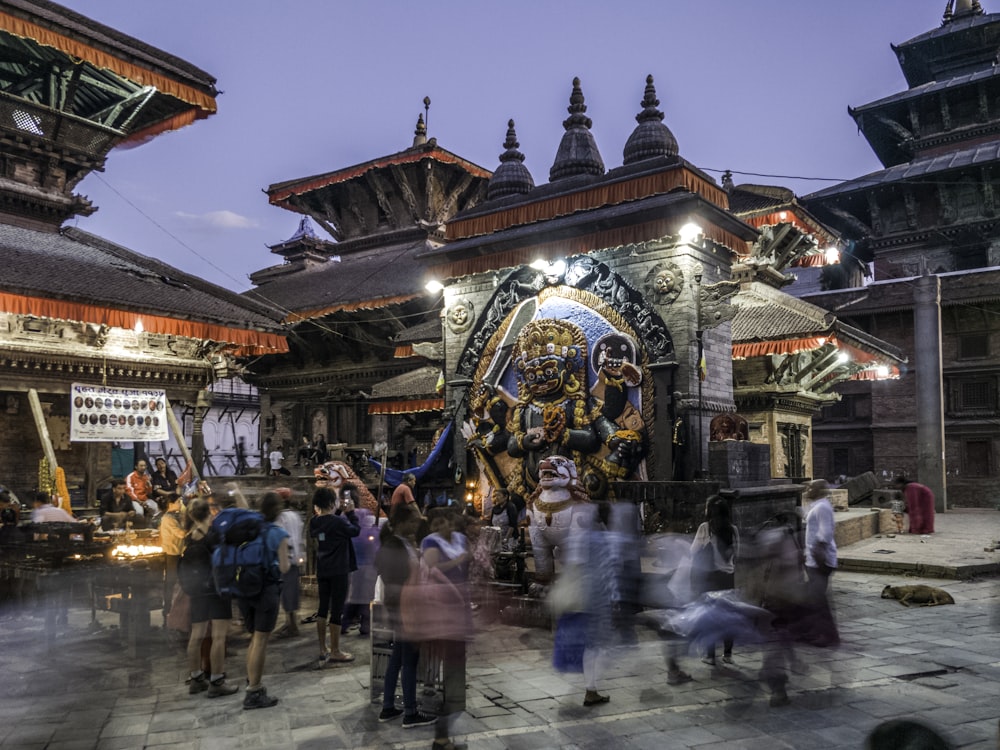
x: 98, y: 413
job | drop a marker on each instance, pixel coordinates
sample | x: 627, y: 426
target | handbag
x: 179, y: 616
x: 566, y: 593
x: 431, y: 608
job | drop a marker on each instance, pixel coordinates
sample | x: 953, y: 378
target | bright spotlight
x: 690, y: 232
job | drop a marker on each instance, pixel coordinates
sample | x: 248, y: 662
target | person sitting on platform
x: 139, y: 487
x: 164, y: 482
x: 116, y: 507
x: 46, y: 512
x: 304, y: 455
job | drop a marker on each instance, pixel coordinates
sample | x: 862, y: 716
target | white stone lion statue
x: 550, y: 512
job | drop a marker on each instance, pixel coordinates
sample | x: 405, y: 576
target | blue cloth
x: 570, y: 642
x: 394, y: 477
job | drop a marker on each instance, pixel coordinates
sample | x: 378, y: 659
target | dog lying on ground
x: 918, y: 595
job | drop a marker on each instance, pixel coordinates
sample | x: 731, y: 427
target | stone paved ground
x: 940, y: 664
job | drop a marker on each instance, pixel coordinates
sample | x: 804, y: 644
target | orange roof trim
x: 407, y: 407
x: 343, y: 175
x: 319, y: 312
x: 630, y: 235
x: 584, y: 200
x: 247, y: 342
x: 802, y: 223
x: 49, y: 38
x: 781, y: 346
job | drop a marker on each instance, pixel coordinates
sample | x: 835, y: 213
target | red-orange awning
x: 411, y: 406
x: 780, y: 346
x: 247, y: 342
x: 584, y: 200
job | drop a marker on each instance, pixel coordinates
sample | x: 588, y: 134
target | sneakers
x: 218, y: 688
x: 388, y: 714
x: 727, y: 658
x: 258, y: 699
x: 197, y: 684
x: 417, y: 720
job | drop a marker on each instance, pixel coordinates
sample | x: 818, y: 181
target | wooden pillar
x: 178, y: 431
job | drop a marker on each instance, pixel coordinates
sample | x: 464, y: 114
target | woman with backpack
x: 713, y: 561
x: 195, y: 573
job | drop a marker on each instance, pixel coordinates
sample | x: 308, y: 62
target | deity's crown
x: 551, y: 338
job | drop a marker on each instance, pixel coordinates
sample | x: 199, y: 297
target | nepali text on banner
x: 99, y: 413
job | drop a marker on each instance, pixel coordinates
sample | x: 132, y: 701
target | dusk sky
x: 311, y: 86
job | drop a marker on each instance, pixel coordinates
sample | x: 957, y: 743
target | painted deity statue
x: 555, y: 413
x: 550, y: 511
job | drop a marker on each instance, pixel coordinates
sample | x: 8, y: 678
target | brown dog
x: 919, y: 595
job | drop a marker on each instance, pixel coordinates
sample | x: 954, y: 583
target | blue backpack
x: 242, y: 563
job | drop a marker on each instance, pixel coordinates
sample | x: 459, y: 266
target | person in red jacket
x: 139, y: 486
x: 919, y: 505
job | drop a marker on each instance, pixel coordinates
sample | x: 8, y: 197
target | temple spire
x: 420, y: 134
x: 511, y: 177
x: 956, y: 9
x: 651, y: 138
x: 577, y: 154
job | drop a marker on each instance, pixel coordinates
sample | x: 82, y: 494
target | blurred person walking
x: 396, y: 560
x: 820, y: 562
x: 713, y: 561
x: 290, y: 520
x: 447, y: 550
x: 361, y: 587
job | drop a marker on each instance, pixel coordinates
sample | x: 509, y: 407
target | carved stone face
x: 545, y: 376
x: 664, y: 282
x: 459, y: 317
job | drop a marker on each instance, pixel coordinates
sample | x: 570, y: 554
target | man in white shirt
x: 46, y: 512
x: 275, y: 458
x: 821, y: 561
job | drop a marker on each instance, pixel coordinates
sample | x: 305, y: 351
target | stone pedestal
x: 739, y: 463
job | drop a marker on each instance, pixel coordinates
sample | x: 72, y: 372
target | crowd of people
x: 419, y: 568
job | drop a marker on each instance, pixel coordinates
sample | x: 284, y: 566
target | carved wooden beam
x: 450, y: 202
x: 405, y: 190
x: 375, y: 183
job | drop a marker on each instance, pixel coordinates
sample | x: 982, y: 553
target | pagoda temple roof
x: 982, y: 153
x: 769, y: 321
x: 958, y: 45
x: 75, y: 275
x: 42, y: 36
x: 376, y: 278
x: 930, y: 87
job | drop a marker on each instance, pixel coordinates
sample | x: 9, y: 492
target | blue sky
x: 310, y: 86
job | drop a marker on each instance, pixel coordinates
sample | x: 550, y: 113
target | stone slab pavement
x: 938, y: 664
